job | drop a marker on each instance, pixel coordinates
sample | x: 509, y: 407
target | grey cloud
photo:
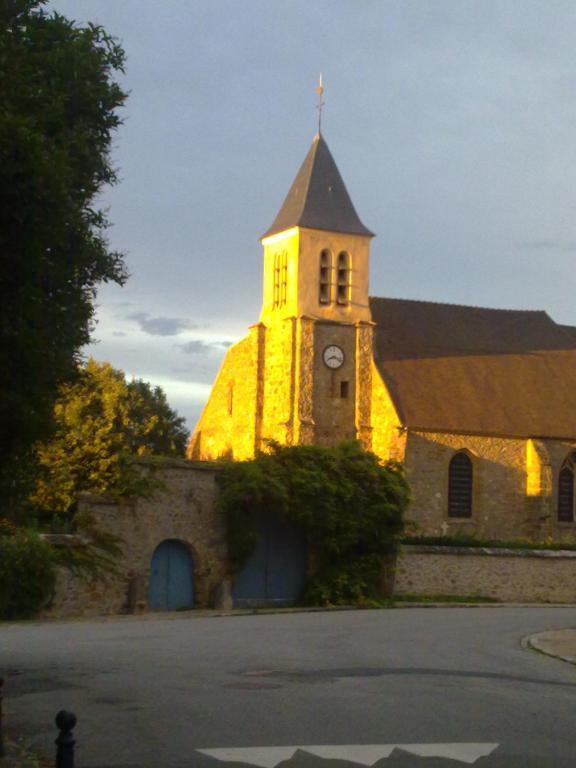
x: 195, y: 347
x: 563, y: 246
x: 119, y: 333
x: 199, y: 373
x: 198, y: 347
x: 161, y: 326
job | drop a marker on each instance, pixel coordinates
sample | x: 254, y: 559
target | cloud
x: 563, y: 246
x: 119, y: 333
x: 161, y: 326
x: 198, y: 347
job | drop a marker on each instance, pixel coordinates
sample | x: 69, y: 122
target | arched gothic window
x: 325, y: 295
x: 343, y: 281
x: 566, y: 490
x: 460, y: 486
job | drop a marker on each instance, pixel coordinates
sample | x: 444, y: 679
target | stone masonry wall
x: 228, y: 423
x: 388, y: 439
x: 505, y: 575
x: 502, y: 507
x: 279, y: 378
x: 183, y: 510
x: 334, y: 415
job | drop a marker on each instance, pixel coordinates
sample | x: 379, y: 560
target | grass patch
x: 414, y: 598
x: 472, y: 541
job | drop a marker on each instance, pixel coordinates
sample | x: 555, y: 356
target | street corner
x: 558, y: 643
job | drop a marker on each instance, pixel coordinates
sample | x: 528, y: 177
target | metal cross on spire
x: 320, y: 91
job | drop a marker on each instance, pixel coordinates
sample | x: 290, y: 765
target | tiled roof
x: 472, y: 369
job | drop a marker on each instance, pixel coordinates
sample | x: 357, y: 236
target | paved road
x: 152, y: 692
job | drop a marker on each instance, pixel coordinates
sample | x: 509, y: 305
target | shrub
x: 348, y: 502
x: 27, y: 574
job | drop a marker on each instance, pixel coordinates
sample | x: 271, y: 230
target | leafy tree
x: 27, y: 573
x: 58, y: 111
x: 102, y: 422
x: 349, y: 503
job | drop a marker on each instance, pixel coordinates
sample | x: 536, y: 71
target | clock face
x: 333, y: 356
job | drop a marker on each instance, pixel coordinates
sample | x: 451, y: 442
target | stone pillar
x: 539, y: 490
x: 259, y: 331
x: 364, y: 353
x: 304, y: 427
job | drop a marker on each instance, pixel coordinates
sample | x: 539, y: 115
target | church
x: 478, y: 404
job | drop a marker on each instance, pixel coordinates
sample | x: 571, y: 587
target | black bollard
x: 65, y: 722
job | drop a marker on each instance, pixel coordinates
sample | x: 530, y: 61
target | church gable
x: 228, y: 424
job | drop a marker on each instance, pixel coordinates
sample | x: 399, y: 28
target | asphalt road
x: 150, y: 693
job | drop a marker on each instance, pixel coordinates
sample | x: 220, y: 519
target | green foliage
x: 466, y: 540
x: 27, y: 574
x: 96, y: 557
x: 348, y: 502
x: 437, y: 598
x: 102, y: 422
x: 355, y: 582
x: 59, y: 111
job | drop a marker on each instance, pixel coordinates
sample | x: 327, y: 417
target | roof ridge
x: 454, y: 304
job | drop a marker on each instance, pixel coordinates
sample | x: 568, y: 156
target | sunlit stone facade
x: 413, y: 381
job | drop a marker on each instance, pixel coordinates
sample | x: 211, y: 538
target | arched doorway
x: 171, y: 577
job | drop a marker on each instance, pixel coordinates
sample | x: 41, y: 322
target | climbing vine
x: 348, y: 502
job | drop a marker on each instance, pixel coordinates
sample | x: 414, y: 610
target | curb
x: 558, y: 644
x: 233, y: 613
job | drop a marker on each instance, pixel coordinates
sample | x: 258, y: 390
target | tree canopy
x: 59, y: 106
x: 349, y: 503
x: 102, y: 422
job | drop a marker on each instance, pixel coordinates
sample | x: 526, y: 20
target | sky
x: 452, y: 123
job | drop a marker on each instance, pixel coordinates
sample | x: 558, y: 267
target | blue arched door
x: 171, y: 577
x: 275, y: 574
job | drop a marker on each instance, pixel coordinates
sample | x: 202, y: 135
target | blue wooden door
x: 171, y: 577
x: 276, y: 572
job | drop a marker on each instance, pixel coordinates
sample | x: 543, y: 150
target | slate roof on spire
x: 318, y: 198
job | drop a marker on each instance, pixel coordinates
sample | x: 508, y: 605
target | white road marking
x: 363, y: 754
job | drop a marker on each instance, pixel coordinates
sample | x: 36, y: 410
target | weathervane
x: 320, y: 91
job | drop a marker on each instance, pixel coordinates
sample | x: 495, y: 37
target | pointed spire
x: 318, y: 198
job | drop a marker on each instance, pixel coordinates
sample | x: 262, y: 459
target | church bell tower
x: 303, y: 374
x: 316, y: 310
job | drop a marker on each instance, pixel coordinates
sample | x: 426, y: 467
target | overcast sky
x: 453, y: 123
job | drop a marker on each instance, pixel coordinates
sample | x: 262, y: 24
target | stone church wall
x: 279, y: 382
x: 506, y: 575
x: 388, y: 438
x: 334, y: 415
x: 228, y: 423
x: 508, y: 501
x: 183, y: 510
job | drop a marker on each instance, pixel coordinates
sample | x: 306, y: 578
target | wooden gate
x: 275, y: 574
x: 172, y: 577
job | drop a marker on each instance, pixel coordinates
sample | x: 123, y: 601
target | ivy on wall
x: 348, y: 502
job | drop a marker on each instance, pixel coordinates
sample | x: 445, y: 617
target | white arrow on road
x: 363, y: 754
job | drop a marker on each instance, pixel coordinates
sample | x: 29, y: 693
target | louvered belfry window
x: 460, y: 486
x: 566, y: 493
x: 343, y: 278
x: 325, y: 277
